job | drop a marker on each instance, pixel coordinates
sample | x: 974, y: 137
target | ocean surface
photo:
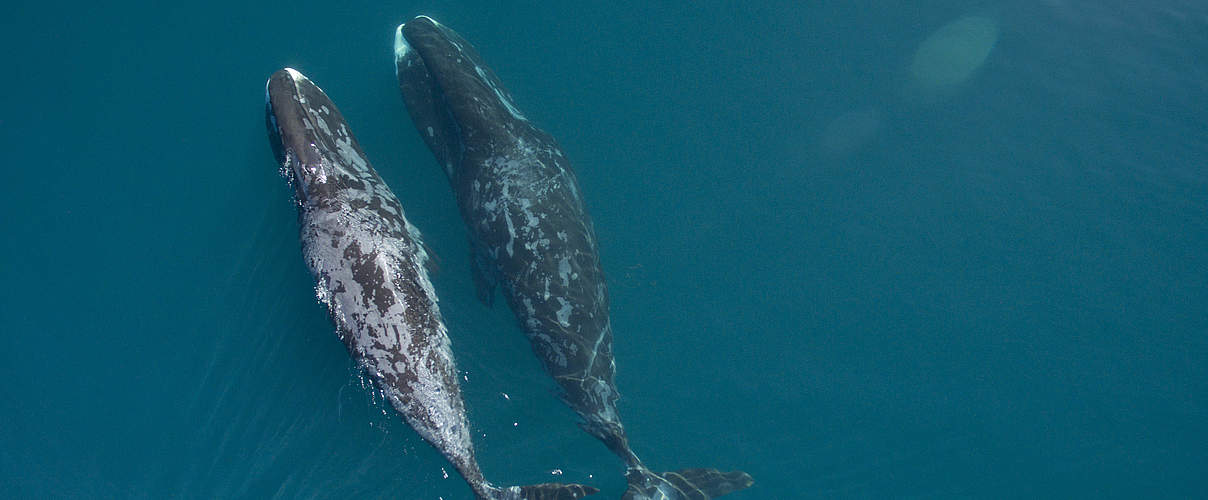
x: 858, y: 249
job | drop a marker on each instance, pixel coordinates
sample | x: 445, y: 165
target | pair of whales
x: 530, y: 235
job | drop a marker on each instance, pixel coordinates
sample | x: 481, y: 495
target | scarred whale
x: 530, y: 235
x: 369, y: 268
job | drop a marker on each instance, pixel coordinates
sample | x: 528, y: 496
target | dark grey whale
x: 530, y: 233
x: 368, y: 263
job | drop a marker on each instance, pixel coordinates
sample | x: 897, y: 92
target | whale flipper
x: 684, y: 484
x: 483, y: 276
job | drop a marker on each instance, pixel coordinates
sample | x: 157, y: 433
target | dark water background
x: 823, y: 272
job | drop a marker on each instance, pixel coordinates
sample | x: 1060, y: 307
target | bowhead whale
x: 368, y: 264
x: 530, y: 233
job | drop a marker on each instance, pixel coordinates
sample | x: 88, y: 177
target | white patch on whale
x: 563, y: 312
x: 511, y: 233
x: 564, y: 270
x: 401, y: 49
x: 507, y: 103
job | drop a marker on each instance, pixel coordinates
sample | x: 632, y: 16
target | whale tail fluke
x: 684, y: 484
x: 547, y: 491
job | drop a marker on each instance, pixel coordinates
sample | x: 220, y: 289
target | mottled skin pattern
x: 528, y: 230
x: 530, y: 233
x: 368, y: 264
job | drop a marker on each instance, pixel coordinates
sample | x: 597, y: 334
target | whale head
x: 303, y: 126
x: 454, y: 98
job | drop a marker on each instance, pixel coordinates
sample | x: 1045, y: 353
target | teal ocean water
x: 857, y: 249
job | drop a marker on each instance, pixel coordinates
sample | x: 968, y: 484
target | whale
x: 531, y: 238
x: 369, y: 266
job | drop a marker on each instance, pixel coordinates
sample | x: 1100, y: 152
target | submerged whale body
x: 531, y: 235
x: 368, y: 263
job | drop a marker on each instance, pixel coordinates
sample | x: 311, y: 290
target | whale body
x: 369, y: 268
x: 530, y: 235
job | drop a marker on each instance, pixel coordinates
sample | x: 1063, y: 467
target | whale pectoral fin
x: 484, y: 288
x: 484, y: 278
x: 431, y: 260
